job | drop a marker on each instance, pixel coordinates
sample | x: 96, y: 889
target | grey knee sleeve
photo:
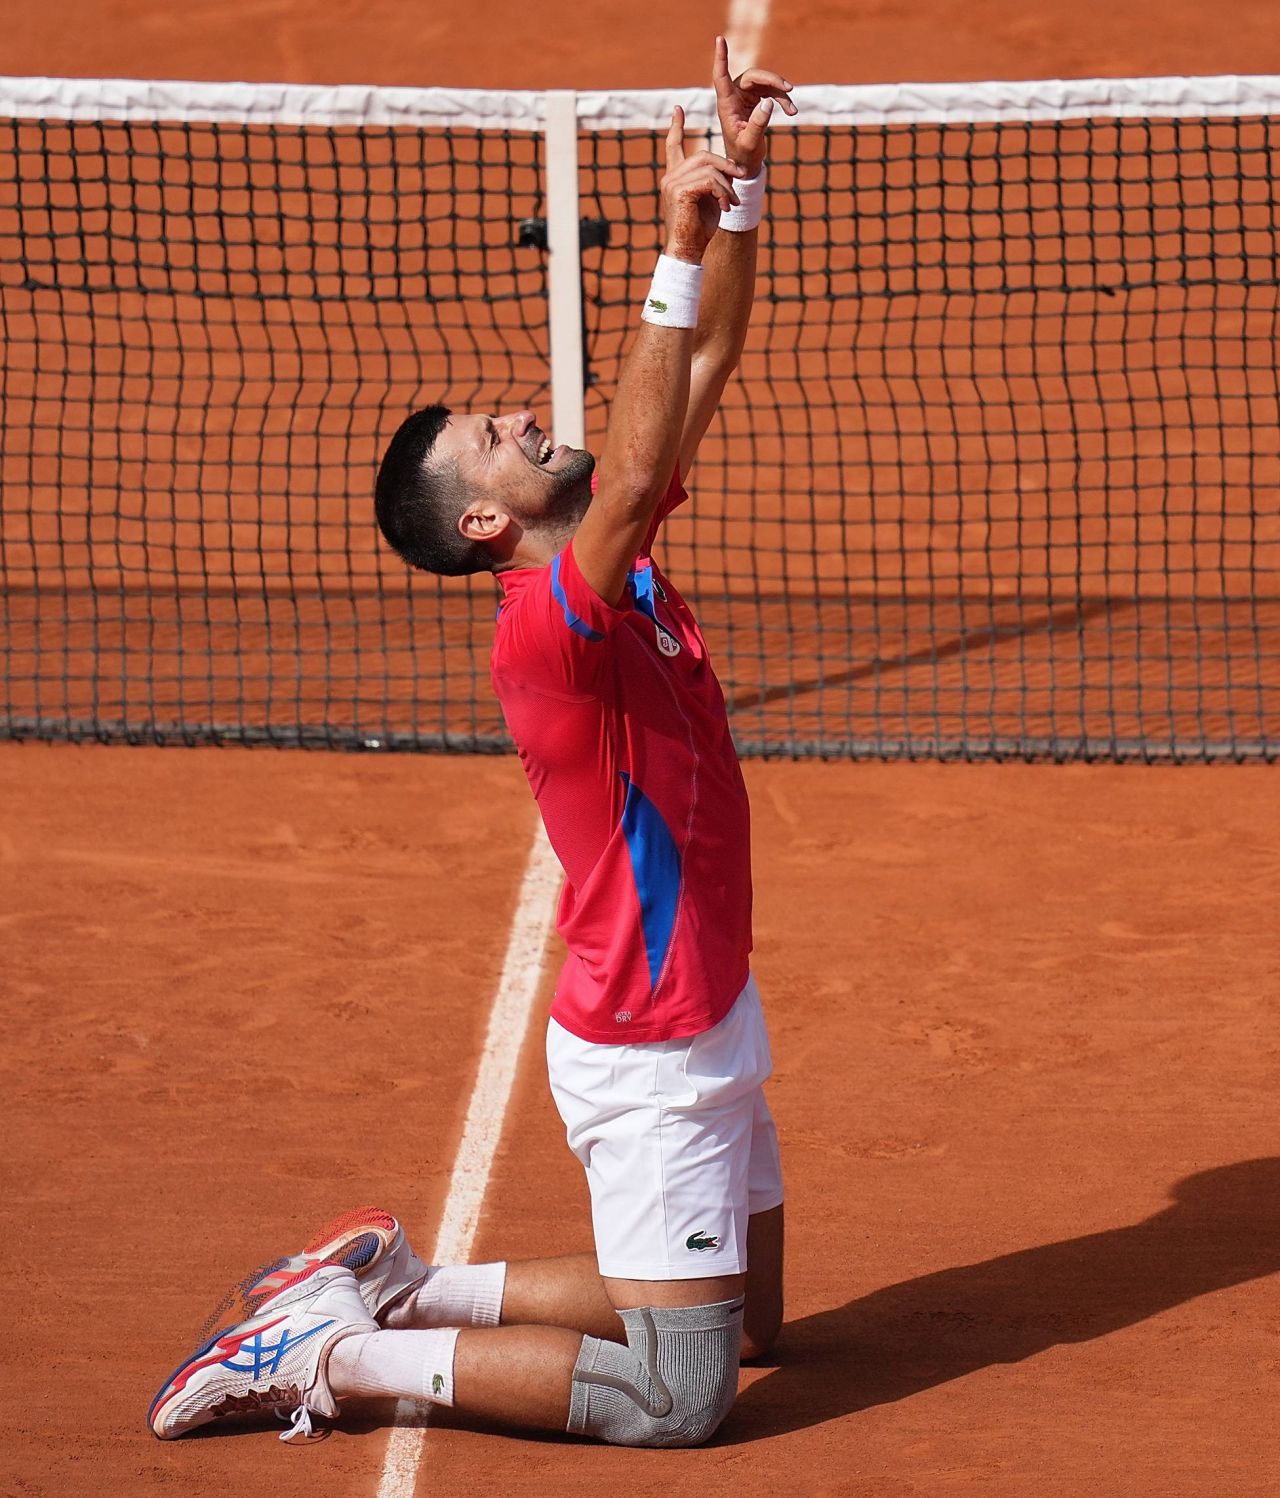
x: 671, y: 1385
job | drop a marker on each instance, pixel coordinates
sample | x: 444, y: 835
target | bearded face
x: 555, y: 498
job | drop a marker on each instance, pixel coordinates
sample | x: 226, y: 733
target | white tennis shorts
x: 677, y: 1141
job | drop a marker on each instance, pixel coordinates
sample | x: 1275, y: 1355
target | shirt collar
x: 515, y: 578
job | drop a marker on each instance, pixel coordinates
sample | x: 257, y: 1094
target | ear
x: 484, y: 522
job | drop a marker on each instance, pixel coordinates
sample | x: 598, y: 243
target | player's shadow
x: 1222, y: 1229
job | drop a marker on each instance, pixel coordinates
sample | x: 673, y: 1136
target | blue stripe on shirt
x: 577, y: 625
x: 655, y: 863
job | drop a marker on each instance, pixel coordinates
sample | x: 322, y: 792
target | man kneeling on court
x: 656, y: 1046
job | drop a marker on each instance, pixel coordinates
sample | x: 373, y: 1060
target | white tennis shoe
x: 367, y: 1241
x: 275, y: 1361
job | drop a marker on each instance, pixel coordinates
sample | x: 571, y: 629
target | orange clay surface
x: 1024, y: 1023
x: 1024, y: 1018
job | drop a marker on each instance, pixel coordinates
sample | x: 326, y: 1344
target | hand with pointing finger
x: 745, y: 105
x: 695, y: 190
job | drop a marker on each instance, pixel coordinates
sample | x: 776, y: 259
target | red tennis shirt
x: 622, y: 731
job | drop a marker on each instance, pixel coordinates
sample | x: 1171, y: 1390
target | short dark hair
x: 418, y: 506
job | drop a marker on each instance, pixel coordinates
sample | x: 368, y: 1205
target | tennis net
x: 998, y: 478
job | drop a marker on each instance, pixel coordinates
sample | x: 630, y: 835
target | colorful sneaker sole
x: 358, y: 1240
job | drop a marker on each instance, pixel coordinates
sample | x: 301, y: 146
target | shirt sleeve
x: 672, y: 500
x: 558, y: 630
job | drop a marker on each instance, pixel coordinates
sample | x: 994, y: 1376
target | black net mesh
x: 207, y: 335
x: 998, y: 477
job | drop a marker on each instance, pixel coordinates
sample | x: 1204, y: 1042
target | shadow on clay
x: 1066, y: 619
x: 1222, y: 1229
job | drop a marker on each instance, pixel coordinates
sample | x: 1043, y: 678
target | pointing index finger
x: 720, y: 67
x: 675, y: 139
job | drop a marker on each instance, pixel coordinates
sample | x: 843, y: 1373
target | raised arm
x: 645, y: 422
x: 744, y: 105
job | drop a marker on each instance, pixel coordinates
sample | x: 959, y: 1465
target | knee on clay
x: 671, y: 1385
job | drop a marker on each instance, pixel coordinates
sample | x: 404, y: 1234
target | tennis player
x: 656, y: 1046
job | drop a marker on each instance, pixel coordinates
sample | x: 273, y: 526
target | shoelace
x: 299, y: 1423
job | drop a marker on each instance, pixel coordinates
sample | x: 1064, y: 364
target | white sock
x: 452, y: 1295
x: 403, y: 1365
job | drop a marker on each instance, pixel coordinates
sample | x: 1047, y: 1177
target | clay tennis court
x: 1023, y: 1016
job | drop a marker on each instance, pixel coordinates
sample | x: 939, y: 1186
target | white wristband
x: 745, y: 213
x: 673, y: 297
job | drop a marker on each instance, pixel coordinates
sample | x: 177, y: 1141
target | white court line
x: 744, y: 32
x: 508, y: 1022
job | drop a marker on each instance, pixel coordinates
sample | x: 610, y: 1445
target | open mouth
x: 538, y: 447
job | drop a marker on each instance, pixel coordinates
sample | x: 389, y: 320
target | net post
x: 568, y: 416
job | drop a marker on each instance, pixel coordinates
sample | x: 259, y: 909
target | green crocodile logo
x: 657, y: 305
x: 437, y: 1383
x: 699, y: 1242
